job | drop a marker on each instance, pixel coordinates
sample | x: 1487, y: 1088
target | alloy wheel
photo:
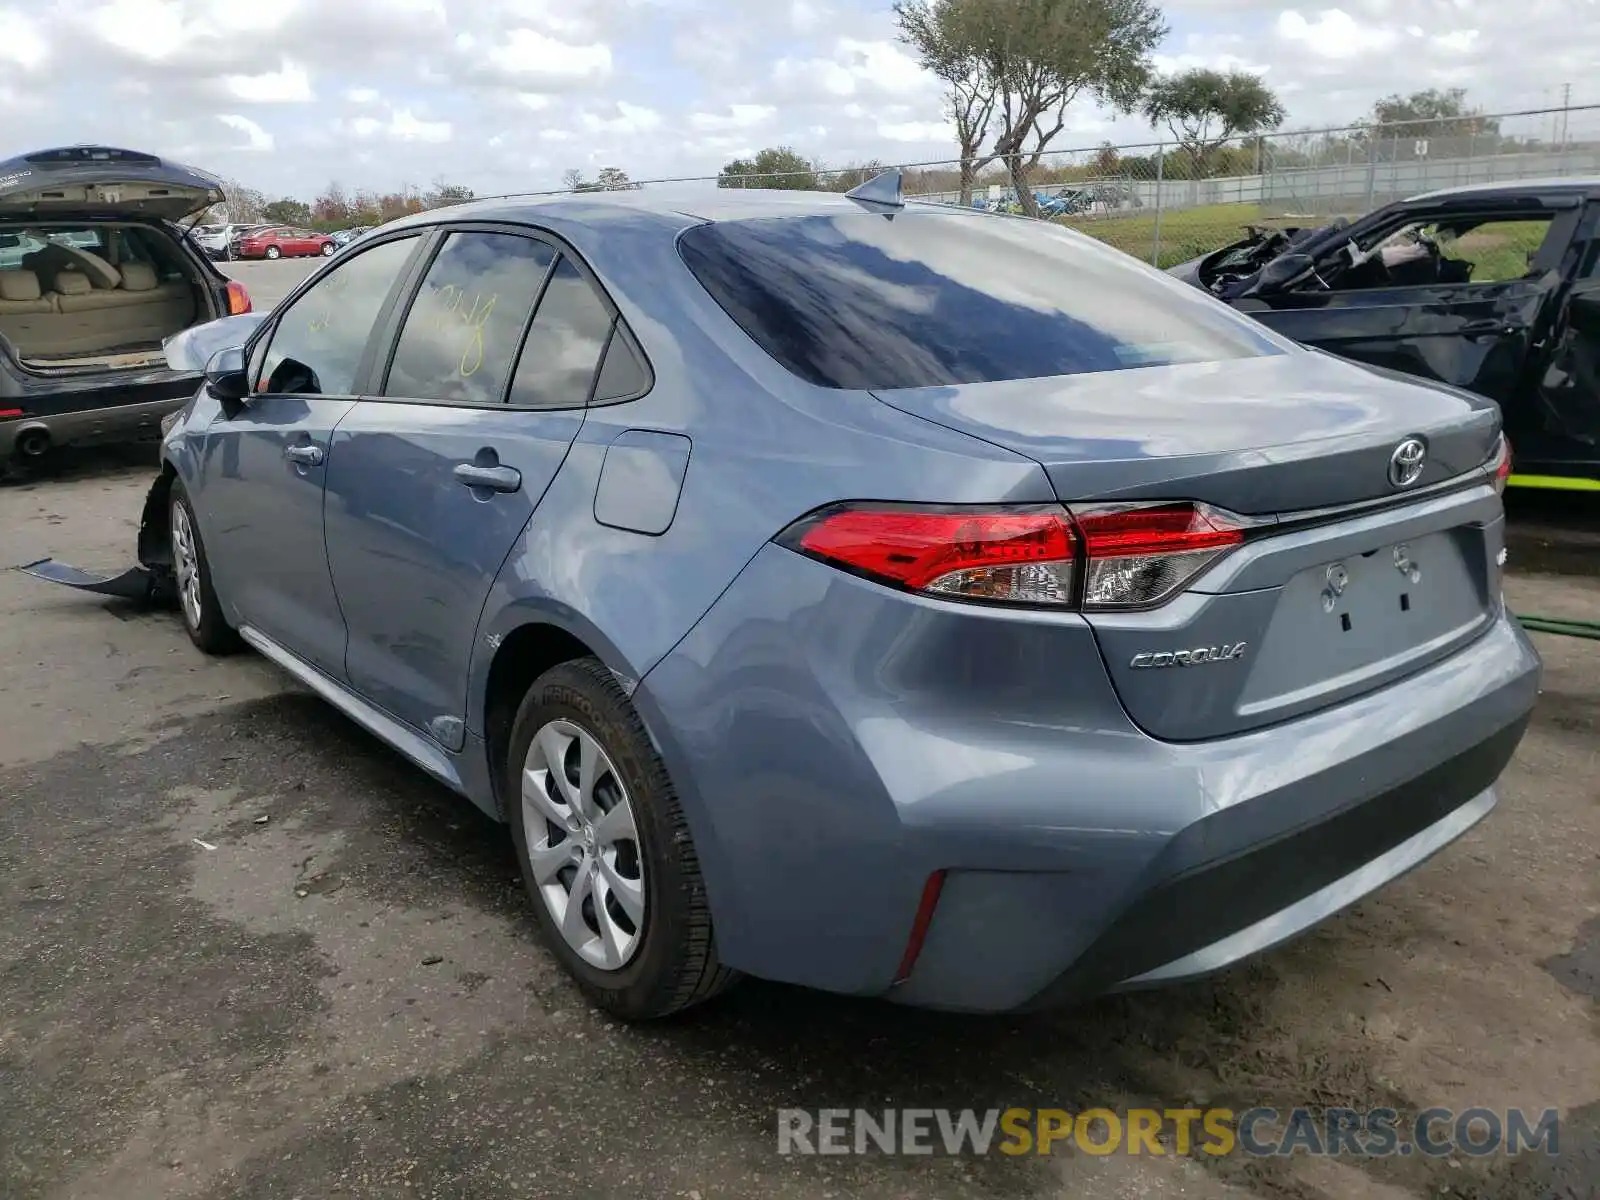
x: 186, y: 565
x: 583, y: 844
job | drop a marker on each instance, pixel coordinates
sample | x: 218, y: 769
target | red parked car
x: 283, y: 241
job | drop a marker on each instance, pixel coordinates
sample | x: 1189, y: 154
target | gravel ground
x: 345, y: 997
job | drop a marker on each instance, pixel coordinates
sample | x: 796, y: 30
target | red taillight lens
x: 1127, y: 556
x: 1501, y: 464
x: 238, y: 298
x: 1141, y: 554
x: 1012, y: 555
x: 9, y: 412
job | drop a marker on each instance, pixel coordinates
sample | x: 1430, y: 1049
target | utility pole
x: 1566, y: 106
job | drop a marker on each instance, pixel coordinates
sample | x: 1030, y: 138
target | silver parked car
x: 882, y: 597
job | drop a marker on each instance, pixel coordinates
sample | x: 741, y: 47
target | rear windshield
x: 921, y: 300
x: 18, y: 245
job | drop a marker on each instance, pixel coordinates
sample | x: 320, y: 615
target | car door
x: 265, y: 460
x: 433, y: 479
x: 1476, y: 333
x: 1561, y: 433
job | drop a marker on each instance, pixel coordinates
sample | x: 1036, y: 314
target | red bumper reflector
x: 9, y: 412
x: 919, y: 927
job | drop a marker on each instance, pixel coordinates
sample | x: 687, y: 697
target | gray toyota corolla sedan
x: 880, y: 597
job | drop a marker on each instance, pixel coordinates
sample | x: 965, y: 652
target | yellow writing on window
x: 329, y: 292
x: 453, y: 309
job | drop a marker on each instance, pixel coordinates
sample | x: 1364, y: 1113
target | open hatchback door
x: 88, y: 182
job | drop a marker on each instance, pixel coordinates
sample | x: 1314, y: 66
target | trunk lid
x: 1341, y: 587
x: 1280, y: 433
x: 74, y: 182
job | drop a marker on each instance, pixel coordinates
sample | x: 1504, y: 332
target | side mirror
x: 225, y: 375
x: 1284, y: 272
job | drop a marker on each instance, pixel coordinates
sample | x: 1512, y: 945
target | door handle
x: 306, y: 456
x: 1476, y: 329
x: 495, y: 479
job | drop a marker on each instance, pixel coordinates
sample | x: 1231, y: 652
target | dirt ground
x: 246, y: 951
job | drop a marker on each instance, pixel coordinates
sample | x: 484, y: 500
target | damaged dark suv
x: 96, y: 271
x: 1494, y: 288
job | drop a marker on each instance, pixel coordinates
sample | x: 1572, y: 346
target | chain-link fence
x: 1167, y: 203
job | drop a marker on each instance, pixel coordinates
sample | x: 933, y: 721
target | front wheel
x: 605, y: 850
x: 272, y: 252
x: 208, y: 629
x: 327, y: 249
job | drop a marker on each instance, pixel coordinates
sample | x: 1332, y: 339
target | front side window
x: 1436, y: 250
x: 930, y: 299
x: 318, y: 343
x: 460, y: 337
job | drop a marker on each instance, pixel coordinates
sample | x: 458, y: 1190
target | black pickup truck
x: 1493, y: 287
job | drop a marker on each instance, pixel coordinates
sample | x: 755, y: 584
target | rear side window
x: 564, y: 343
x: 623, y: 374
x: 859, y: 301
x: 318, y: 343
x: 460, y: 336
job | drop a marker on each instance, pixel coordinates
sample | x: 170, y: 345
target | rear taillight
x: 1138, y: 555
x: 1500, y: 464
x: 1014, y: 555
x: 238, y: 298
x: 1102, y: 557
x: 9, y: 412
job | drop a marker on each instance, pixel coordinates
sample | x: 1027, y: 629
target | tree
x: 1107, y: 159
x: 331, y: 208
x: 572, y: 179
x: 854, y: 176
x: 1399, y: 123
x: 1040, y: 56
x: 1205, y: 108
x: 1434, y: 113
x: 774, y: 167
x: 939, y: 32
x: 614, y: 179
x: 243, y: 204
x: 287, y: 212
x: 442, y: 194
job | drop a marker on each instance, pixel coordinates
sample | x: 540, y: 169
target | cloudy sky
x: 503, y: 95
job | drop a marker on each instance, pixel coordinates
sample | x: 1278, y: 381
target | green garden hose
x: 1582, y: 629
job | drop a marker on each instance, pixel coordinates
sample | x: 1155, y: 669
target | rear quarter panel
x: 765, y: 448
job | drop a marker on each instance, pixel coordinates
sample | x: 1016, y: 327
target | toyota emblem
x: 1406, y: 463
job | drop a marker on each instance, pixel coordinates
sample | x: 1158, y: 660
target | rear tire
x: 585, y: 789
x: 272, y: 252
x: 207, y: 628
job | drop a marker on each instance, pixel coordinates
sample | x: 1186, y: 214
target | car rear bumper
x: 92, y: 424
x: 836, y: 743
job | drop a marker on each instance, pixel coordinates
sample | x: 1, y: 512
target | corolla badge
x: 1407, y: 461
x: 1199, y: 656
